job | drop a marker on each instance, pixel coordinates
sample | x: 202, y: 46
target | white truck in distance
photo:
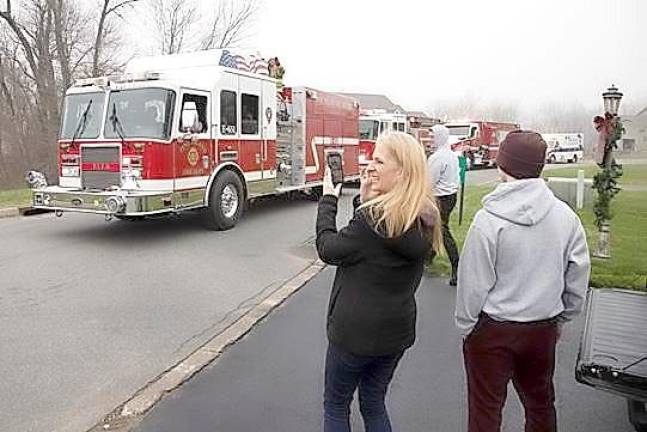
x: 564, y: 147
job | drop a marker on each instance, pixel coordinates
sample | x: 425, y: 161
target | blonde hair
x: 397, y: 210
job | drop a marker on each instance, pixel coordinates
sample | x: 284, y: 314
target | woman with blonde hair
x: 380, y: 258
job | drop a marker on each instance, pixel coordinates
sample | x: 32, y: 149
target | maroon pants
x: 497, y: 352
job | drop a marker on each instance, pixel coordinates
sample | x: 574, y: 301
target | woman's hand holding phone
x: 328, y: 187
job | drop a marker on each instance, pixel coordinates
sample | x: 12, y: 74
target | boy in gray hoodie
x: 523, y: 272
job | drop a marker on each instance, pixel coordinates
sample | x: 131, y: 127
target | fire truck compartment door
x: 268, y: 129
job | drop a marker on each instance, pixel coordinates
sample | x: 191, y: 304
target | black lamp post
x: 612, y: 99
x: 610, y: 129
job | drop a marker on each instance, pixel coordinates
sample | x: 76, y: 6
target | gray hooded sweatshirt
x: 525, y: 258
x: 443, y: 164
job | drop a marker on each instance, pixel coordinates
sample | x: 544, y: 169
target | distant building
x: 375, y: 101
x: 416, y: 119
x: 635, y: 137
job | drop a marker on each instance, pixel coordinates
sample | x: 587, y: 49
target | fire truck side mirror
x: 189, y: 117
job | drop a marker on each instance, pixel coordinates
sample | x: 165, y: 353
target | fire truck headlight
x: 115, y: 204
x: 70, y: 171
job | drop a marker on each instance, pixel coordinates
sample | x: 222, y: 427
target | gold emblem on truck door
x: 193, y: 156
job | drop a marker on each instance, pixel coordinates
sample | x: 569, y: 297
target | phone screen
x: 335, y: 163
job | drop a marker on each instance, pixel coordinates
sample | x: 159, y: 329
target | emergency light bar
x: 136, y: 76
x: 99, y: 82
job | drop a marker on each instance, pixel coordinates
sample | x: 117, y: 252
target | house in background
x: 375, y: 102
x: 416, y: 119
x: 635, y: 136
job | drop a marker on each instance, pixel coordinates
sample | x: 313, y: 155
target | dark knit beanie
x: 522, y: 154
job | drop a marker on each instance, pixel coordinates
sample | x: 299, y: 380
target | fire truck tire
x: 637, y: 414
x: 315, y: 193
x: 226, y: 202
x: 130, y: 218
x: 469, y: 163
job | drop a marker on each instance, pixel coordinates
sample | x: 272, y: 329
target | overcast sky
x: 420, y: 52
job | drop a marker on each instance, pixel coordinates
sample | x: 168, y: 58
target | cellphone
x: 335, y: 163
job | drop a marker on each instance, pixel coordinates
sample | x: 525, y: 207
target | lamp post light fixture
x: 612, y: 99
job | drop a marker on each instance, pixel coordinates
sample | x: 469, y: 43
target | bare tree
x: 41, y: 52
x: 229, y: 23
x: 472, y: 107
x: 110, y: 7
x: 174, y: 21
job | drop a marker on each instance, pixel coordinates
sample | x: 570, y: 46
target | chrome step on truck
x: 613, y: 350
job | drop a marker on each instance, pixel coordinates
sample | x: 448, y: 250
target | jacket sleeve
x: 476, y: 277
x: 576, y: 278
x: 435, y: 167
x: 337, y: 248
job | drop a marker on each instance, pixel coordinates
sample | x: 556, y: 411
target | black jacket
x: 372, y: 308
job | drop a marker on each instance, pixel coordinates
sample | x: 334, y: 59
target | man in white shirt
x: 444, y: 177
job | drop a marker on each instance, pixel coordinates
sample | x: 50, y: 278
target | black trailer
x: 613, y: 351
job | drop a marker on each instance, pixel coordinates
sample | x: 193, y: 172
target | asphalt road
x: 91, y: 311
x: 273, y: 379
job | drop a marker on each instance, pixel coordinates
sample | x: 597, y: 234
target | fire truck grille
x: 100, y: 167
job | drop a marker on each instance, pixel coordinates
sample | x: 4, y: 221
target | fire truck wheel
x: 225, y: 202
x: 637, y: 414
x: 469, y: 161
x: 315, y: 193
x: 130, y: 218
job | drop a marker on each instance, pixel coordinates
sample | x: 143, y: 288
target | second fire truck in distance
x: 373, y: 122
x: 478, y: 141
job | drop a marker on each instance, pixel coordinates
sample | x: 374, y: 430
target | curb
x: 9, y: 212
x: 150, y: 394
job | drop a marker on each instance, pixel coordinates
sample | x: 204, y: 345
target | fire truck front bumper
x: 120, y: 202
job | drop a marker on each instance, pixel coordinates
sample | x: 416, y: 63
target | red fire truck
x: 184, y: 132
x: 373, y: 122
x: 478, y: 141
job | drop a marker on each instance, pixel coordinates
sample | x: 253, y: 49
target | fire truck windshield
x: 368, y: 129
x: 142, y: 113
x: 459, y: 130
x: 77, y: 106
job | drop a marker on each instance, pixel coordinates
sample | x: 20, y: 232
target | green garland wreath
x: 606, y: 181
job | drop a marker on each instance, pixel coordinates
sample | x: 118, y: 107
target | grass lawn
x: 473, y: 196
x: 15, y: 198
x: 634, y: 175
x: 628, y: 266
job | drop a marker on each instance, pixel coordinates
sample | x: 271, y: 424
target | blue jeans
x: 345, y: 372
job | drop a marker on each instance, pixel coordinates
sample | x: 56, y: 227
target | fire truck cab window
x: 140, y: 113
x: 368, y: 129
x: 228, y: 123
x: 459, y: 130
x: 82, y: 115
x: 201, y: 106
x: 249, y: 114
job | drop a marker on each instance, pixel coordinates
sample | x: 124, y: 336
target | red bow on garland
x: 606, y: 127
